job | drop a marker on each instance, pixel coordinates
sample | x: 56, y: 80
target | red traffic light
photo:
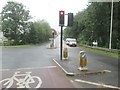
x: 61, y: 18
x: 61, y: 13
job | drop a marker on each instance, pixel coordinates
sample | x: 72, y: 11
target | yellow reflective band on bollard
x: 82, y: 59
x: 83, y: 62
x: 65, y: 53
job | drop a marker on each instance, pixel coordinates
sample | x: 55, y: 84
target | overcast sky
x: 49, y: 9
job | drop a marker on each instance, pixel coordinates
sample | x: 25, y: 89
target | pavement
x: 101, y: 69
x: 70, y: 67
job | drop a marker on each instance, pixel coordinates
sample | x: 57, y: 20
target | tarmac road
x: 27, y: 57
x: 33, y: 58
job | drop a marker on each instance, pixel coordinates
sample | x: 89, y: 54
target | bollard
x: 82, y: 60
x: 51, y: 45
x: 65, y: 53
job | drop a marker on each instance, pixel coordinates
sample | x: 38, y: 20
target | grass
x: 113, y: 54
x: 15, y: 46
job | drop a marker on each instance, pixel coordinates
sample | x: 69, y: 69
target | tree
x: 93, y: 23
x: 0, y: 24
x: 15, y: 21
x: 40, y: 32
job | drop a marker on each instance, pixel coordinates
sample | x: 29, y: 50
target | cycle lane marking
x: 22, y: 83
x: 51, y: 77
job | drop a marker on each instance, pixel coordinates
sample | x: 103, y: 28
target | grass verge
x: 15, y: 46
x: 113, y: 54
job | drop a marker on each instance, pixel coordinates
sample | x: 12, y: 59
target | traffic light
x: 70, y: 19
x: 61, y: 18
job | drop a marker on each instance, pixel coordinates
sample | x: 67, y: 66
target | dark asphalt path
x: 44, y: 77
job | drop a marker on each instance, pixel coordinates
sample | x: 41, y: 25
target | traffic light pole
x: 61, y: 23
x: 61, y: 43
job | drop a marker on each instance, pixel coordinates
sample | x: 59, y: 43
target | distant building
x: 1, y: 36
x: 55, y: 33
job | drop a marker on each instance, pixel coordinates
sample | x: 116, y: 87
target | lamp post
x: 111, y: 25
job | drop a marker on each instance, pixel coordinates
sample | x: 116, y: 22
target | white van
x: 67, y: 40
x: 71, y: 42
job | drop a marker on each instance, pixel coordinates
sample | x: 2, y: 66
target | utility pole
x: 111, y: 25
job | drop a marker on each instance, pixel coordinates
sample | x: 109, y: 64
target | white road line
x: 37, y: 68
x: 49, y: 67
x: 97, y: 84
x: 23, y: 68
x: 4, y: 69
x: 107, y: 70
x: 28, y: 68
x: 71, y: 81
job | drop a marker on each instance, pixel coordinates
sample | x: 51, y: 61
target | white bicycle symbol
x: 22, y: 83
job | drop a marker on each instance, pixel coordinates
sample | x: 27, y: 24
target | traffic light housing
x: 61, y: 18
x: 70, y: 19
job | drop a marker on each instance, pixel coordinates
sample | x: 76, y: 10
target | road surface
x: 38, y: 61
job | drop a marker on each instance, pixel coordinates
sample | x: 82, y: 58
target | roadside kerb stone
x: 79, y: 72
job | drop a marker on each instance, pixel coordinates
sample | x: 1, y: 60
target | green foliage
x: 0, y: 24
x: 17, y: 28
x: 93, y: 24
x: 40, y: 32
x: 14, y: 21
x: 67, y: 32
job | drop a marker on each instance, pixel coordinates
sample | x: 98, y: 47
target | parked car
x: 71, y: 42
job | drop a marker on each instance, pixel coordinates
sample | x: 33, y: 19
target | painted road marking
x: 37, y: 68
x: 49, y: 76
x: 107, y: 71
x: 49, y: 67
x: 28, y: 68
x: 4, y: 69
x: 71, y: 81
x: 97, y: 84
x: 22, y: 80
